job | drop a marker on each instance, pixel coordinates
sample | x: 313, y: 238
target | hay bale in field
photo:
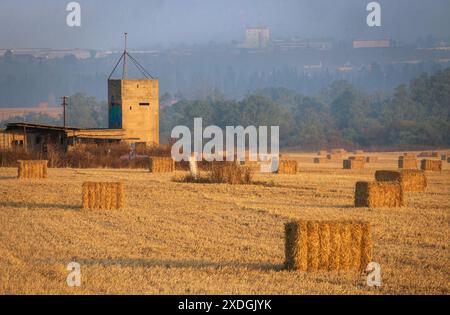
x: 335, y: 156
x: 411, y: 180
x: 435, y: 154
x: 358, y: 152
x: 230, y: 173
x: 445, y: 157
x: 353, y: 164
x: 339, y: 150
x: 448, y: 160
x: 372, y: 159
x: 161, y: 164
x: 322, y: 153
x: 410, y: 154
x: 103, y: 196
x: 287, y: 167
x: 379, y: 194
x: 320, y: 160
x: 357, y: 158
x: 425, y: 154
x: 28, y: 169
x: 431, y: 165
x: 407, y: 162
x: 327, y: 245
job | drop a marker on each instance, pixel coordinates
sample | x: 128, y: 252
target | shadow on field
x: 12, y: 204
x: 128, y: 262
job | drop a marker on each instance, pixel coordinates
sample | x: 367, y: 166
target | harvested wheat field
x: 173, y: 237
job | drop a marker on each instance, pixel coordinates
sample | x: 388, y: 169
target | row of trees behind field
x: 417, y: 114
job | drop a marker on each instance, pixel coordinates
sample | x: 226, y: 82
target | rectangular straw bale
x: 379, y: 194
x: 160, y: 164
x: 435, y: 154
x: 357, y: 158
x: 444, y: 157
x: 335, y: 156
x: 353, y: 164
x: 411, y: 180
x: 287, y: 167
x: 103, y: 195
x: 322, y: 153
x: 327, y: 245
x: 339, y: 150
x: 372, y: 159
x: 431, y: 165
x: 313, y: 245
x: 320, y: 160
x: 32, y: 169
x: 407, y: 162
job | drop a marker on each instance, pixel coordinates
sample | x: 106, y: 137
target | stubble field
x: 184, y: 238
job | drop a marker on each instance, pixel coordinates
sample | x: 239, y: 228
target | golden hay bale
x: 358, y: 152
x: 445, y: 157
x: 378, y: 194
x: 358, y: 158
x: 35, y: 169
x: 353, y: 164
x: 327, y: 245
x: 372, y: 159
x: 410, y: 154
x: 407, y: 162
x: 230, y: 173
x: 411, y: 180
x: 287, y: 167
x: 335, y: 156
x: 322, y: 153
x: 158, y: 164
x: 320, y: 160
x: 435, y: 154
x: 448, y: 160
x: 339, y: 150
x: 431, y: 165
x: 103, y: 196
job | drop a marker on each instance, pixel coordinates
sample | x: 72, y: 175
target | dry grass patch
x: 327, y: 245
x: 379, y: 194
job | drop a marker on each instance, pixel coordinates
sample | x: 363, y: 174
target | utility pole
x: 64, y: 105
x: 125, y: 53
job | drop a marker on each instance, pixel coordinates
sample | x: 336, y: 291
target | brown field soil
x: 185, y: 238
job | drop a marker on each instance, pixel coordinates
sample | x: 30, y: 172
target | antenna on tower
x: 125, y: 53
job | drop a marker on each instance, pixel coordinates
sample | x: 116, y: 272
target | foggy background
x: 42, y: 23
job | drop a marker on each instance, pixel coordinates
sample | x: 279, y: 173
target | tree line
x: 416, y: 114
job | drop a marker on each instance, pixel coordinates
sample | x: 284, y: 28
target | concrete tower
x: 133, y: 104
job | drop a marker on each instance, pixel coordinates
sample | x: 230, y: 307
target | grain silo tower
x: 133, y: 103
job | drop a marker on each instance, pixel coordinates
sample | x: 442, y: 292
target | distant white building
x: 257, y: 38
x: 365, y: 43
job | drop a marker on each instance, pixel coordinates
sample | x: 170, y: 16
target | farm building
x: 133, y: 116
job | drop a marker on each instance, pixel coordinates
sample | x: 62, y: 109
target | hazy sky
x: 42, y: 23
